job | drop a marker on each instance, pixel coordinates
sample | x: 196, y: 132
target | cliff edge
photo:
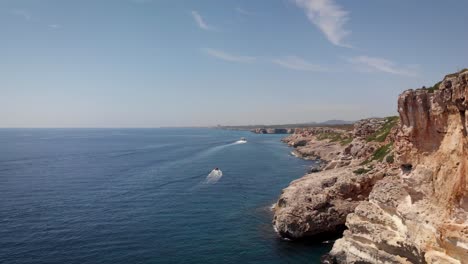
x: 419, y: 215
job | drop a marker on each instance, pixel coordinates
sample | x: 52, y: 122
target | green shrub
x: 390, y: 159
x: 342, y: 138
x: 433, y: 88
x: 363, y: 170
x: 346, y: 141
x: 381, y: 134
x: 379, y: 154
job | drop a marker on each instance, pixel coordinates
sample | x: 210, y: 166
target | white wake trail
x: 214, y: 176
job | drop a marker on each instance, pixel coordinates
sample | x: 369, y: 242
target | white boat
x: 243, y: 139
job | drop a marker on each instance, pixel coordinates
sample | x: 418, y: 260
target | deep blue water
x: 142, y: 196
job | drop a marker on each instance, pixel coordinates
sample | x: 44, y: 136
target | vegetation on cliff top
x: 342, y: 138
x: 433, y: 88
x: 436, y: 86
x: 456, y: 73
x: 381, y: 134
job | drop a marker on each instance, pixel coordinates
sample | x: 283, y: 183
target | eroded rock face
x: 307, y: 146
x: 421, y: 215
x: 313, y: 150
x: 319, y: 202
x: 366, y: 127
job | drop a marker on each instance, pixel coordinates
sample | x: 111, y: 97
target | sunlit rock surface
x: 420, y: 215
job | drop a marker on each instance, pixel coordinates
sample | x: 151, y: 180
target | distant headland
x: 290, y: 128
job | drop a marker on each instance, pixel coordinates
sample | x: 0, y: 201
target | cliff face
x: 318, y: 203
x: 420, y: 215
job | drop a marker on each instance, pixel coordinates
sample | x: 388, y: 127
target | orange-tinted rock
x: 420, y: 216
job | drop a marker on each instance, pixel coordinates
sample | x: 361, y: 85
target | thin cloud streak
x: 200, y: 21
x: 329, y: 17
x: 21, y: 13
x: 373, y: 64
x: 142, y: 1
x: 228, y: 57
x: 54, y: 26
x: 243, y: 12
x: 299, y: 64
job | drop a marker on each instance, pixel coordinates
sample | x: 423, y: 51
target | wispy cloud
x: 373, y: 64
x: 201, y: 22
x: 243, y: 11
x: 54, y: 26
x: 329, y: 17
x: 21, y: 13
x: 142, y: 1
x: 228, y: 57
x: 299, y: 64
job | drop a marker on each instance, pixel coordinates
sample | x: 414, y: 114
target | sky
x: 151, y: 63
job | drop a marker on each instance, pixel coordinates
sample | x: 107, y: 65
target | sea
x: 145, y: 196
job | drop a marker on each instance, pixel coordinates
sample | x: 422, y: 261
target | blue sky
x: 150, y: 63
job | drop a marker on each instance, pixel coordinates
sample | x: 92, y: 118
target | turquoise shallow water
x: 142, y: 196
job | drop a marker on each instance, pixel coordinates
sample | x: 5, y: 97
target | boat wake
x: 220, y: 147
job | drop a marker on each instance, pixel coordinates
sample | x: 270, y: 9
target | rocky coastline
x: 273, y: 130
x: 320, y: 201
x: 398, y: 185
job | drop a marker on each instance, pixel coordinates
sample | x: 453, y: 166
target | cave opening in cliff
x: 406, y: 168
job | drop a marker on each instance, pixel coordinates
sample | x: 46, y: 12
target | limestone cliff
x: 319, y: 202
x: 421, y: 214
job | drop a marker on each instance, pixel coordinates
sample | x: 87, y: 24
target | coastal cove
x: 142, y: 196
